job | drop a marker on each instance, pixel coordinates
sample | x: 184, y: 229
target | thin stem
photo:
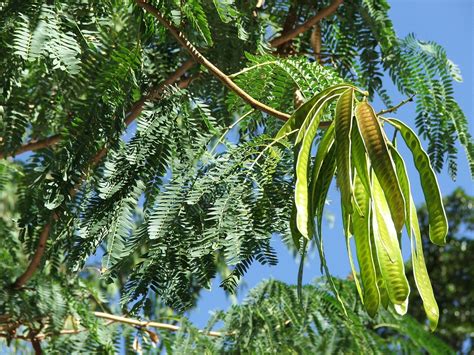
x: 315, y: 40
x: 180, y: 37
x: 252, y: 67
x: 386, y: 325
x: 270, y: 145
x: 117, y: 319
x: 36, y: 260
x: 220, y: 140
x: 134, y: 112
x: 34, y: 145
x: 396, y: 107
x: 299, y: 286
x: 145, y: 324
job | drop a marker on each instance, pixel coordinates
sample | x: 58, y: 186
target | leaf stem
x: 252, y: 67
x: 299, y: 287
x: 396, y: 107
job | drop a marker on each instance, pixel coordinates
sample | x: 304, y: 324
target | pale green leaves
x: 376, y: 200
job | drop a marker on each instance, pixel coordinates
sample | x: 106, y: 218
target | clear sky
x: 451, y: 24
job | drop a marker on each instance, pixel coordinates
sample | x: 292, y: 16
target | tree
x: 211, y: 164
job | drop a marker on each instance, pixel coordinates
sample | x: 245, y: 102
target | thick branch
x: 316, y: 42
x: 34, y: 145
x: 179, y: 36
x: 36, y: 260
x: 323, y: 13
x: 137, y: 108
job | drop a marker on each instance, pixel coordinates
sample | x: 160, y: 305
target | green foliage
x: 273, y: 320
x: 363, y: 40
x: 198, y: 186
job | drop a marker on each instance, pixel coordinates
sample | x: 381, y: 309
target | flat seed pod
x: 351, y: 262
x: 359, y: 157
x: 301, y: 114
x: 419, y: 267
x: 384, y: 301
x: 401, y: 309
x: 343, y: 120
x: 387, y: 246
x: 404, y: 182
x: 438, y: 223
x: 422, y: 280
x: 295, y: 233
x: 319, y: 190
x: 381, y: 161
x: 319, y: 193
x: 327, y: 141
x: 361, y: 225
x: 303, y: 213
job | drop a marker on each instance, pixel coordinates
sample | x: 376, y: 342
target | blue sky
x: 447, y: 22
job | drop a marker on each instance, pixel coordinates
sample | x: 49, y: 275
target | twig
x: 145, y: 324
x: 323, y: 13
x: 37, y: 337
x: 251, y: 68
x: 179, y: 36
x: 396, y: 107
x: 131, y: 116
x: 268, y: 146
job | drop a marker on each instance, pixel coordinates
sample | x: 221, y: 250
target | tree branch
x: 315, y: 40
x: 34, y: 145
x: 36, y: 259
x: 396, y: 107
x: 111, y: 319
x: 135, y: 111
x: 145, y: 324
x: 179, y: 36
x: 323, y: 13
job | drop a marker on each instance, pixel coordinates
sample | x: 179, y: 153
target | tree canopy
x: 149, y: 146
